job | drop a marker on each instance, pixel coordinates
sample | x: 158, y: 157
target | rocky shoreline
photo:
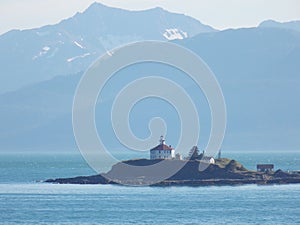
x: 223, y: 172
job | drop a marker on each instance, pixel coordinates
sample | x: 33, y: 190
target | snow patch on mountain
x: 175, y: 34
x: 77, y: 57
x: 46, y: 49
x: 42, y: 52
x: 78, y: 45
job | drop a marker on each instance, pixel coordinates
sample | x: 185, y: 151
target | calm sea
x: 24, y: 200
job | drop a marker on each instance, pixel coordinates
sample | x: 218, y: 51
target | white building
x: 207, y: 159
x: 162, y: 151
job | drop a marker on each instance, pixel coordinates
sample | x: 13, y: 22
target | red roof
x: 162, y: 147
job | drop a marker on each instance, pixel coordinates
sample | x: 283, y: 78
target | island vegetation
x: 223, y: 171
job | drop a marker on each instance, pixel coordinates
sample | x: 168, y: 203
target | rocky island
x: 165, y: 168
x: 223, y: 172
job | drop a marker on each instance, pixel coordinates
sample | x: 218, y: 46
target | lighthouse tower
x: 162, y: 151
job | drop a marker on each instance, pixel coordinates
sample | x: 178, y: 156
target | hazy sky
x: 221, y: 14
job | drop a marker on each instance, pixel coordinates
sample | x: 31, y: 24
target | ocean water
x: 25, y: 200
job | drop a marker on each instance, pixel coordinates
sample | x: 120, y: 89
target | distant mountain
x: 258, y: 69
x: 69, y: 47
x: 28, y: 116
x: 293, y: 25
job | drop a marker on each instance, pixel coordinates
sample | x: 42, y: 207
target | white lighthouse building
x: 162, y: 151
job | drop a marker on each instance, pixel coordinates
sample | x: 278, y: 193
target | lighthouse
x: 162, y: 151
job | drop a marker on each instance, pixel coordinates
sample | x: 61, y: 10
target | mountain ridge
x: 257, y: 69
x: 291, y: 25
x: 71, y: 45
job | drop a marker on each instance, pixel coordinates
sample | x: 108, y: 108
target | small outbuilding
x: 265, y: 167
x: 207, y: 159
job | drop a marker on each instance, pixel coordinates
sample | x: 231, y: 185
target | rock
x: 223, y: 172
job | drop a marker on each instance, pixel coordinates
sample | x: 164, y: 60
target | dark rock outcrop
x: 142, y: 172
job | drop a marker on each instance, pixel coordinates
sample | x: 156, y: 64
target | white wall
x: 162, y: 154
